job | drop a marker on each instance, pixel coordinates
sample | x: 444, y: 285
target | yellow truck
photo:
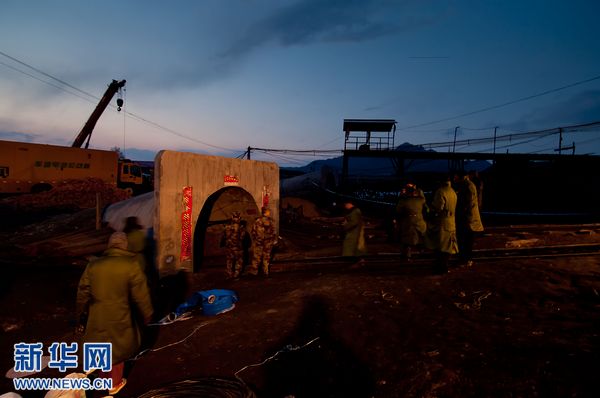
x: 32, y: 168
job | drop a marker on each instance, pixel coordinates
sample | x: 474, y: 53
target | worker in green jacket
x: 410, y: 210
x: 136, y: 240
x: 441, y: 230
x: 468, y: 218
x: 354, y: 232
x: 108, y: 290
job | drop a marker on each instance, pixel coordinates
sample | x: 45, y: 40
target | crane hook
x: 120, y: 100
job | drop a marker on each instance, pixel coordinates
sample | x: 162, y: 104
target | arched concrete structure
x: 187, y: 184
x: 215, y: 214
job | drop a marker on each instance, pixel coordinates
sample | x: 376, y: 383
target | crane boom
x: 86, y: 131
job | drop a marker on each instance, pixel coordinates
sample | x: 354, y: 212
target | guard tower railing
x: 369, y: 134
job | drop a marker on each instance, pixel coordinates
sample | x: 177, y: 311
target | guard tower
x: 366, y: 135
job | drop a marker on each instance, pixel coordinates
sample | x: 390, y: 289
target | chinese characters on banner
x: 265, y: 196
x: 230, y: 180
x: 186, y: 225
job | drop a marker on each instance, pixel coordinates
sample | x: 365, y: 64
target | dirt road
x: 503, y: 328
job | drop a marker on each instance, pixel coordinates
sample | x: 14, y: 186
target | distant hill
x: 383, y: 166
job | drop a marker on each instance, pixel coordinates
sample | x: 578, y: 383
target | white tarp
x: 141, y: 206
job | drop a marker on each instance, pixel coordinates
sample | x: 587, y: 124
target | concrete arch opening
x: 194, y: 192
x: 213, y: 217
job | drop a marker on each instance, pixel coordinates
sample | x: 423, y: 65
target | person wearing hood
x: 410, y: 211
x: 468, y: 218
x: 441, y: 229
x: 354, y: 244
x: 110, y: 290
x: 136, y: 240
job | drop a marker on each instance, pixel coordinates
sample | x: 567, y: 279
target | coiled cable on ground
x: 206, y: 387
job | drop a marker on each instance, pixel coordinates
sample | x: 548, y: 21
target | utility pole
x: 495, y: 130
x: 565, y: 148
x: 454, y: 144
x: 560, y: 139
x: 249, y: 149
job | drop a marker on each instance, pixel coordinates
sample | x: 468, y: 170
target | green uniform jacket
x: 409, y: 211
x: 467, y: 208
x: 263, y: 231
x: 354, y: 240
x: 442, y: 227
x: 136, y: 243
x: 109, y: 287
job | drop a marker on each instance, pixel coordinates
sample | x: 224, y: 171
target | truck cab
x: 130, y: 176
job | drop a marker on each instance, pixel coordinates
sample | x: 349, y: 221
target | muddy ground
x: 502, y: 328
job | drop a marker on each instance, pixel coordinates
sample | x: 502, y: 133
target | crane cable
x: 122, y: 92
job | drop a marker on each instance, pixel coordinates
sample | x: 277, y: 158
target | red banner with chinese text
x: 186, y: 225
x: 265, y: 196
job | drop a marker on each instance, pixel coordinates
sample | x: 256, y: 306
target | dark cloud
x: 302, y: 23
x: 582, y: 107
x: 312, y: 21
x: 135, y: 52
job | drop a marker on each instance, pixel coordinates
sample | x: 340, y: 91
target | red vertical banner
x: 265, y: 196
x: 186, y: 225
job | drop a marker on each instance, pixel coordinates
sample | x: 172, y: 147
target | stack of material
x: 70, y: 193
x: 82, y: 243
x: 61, y: 222
x: 63, y: 235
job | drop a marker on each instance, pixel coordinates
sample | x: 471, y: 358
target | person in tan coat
x: 111, y: 288
x: 354, y: 244
x: 136, y: 240
x: 468, y: 219
x: 441, y: 229
x: 410, y: 211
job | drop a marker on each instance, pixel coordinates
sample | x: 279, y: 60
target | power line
x: 144, y: 120
x: 45, y: 82
x: 517, y: 136
x: 330, y: 142
x: 284, y: 158
x: 320, y: 152
x: 489, y: 108
x: 47, y: 75
x: 478, y: 129
x: 304, y: 152
x: 134, y: 116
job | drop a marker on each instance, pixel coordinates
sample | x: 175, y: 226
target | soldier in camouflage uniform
x: 264, y: 238
x: 234, y: 237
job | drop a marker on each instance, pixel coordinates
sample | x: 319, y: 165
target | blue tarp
x: 213, y: 302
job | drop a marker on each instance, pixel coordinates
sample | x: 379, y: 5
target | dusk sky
x: 218, y: 76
